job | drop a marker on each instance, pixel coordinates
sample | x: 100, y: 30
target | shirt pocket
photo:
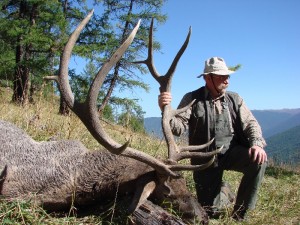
x: 198, y: 111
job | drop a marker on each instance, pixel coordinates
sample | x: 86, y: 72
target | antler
x: 87, y: 111
x: 175, y: 153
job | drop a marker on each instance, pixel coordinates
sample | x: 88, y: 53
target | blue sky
x: 261, y: 35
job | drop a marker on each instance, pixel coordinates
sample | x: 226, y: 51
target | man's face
x: 219, y: 82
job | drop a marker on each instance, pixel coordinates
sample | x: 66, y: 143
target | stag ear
x: 144, y: 188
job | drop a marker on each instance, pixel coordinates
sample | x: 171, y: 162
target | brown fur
x: 61, y: 173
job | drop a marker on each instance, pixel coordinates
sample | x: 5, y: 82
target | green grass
x: 279, y: 197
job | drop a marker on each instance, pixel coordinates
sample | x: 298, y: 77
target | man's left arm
x: 253, y: 132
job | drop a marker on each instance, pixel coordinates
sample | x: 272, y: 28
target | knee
x: 262, y: 167
x: 254, y: 168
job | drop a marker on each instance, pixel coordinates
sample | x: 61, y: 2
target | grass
x: 279, y: 197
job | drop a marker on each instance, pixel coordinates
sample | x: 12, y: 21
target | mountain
x: 153, y: 126
x: 285, y: 147
x: 276, y: 121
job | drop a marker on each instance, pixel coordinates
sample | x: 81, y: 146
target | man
x: 224, y: 116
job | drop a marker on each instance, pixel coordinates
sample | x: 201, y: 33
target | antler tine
x: 196, y: 154
x: 170, y: 73
x: 165, y: 80
x: 180, y: 167
x: 100, y: 77
x: 65, y: 88
x: 149, y: 61
x: 191, y: 148
x: 168, y: 113
x: 196, y: 147
x: 96, y: 128
x: 181, y: 110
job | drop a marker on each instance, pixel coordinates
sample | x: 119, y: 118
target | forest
x: 34, y: 32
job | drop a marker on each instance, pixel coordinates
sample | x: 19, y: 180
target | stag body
x: 58, y: 174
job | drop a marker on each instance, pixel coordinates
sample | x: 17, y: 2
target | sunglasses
x: 221, y: 77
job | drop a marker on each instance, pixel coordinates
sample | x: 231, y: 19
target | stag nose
x: 192, y: 209
x: 167, y: 190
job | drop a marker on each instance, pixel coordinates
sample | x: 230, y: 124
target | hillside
x: 285, y: 147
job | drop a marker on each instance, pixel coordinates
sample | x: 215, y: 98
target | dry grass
x: 279, y: 197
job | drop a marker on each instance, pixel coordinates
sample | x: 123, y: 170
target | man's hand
x: 164, y: 98
x: 257, y: 154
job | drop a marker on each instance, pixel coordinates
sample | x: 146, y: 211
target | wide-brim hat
x: 216, y: 65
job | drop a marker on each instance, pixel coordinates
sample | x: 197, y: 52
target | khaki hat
x: 216, y: 65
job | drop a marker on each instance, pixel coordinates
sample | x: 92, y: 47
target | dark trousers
x: 208, y: 182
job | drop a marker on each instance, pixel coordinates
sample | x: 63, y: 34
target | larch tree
x: 28, y: 28
x: 123, y: 16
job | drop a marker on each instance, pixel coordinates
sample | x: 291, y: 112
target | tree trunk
x: 63, y: 107
x: 117, y: 67
x: 110, y: 90
x: 21, y: 86
x: 23, y: 55
x: 21, y: 78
